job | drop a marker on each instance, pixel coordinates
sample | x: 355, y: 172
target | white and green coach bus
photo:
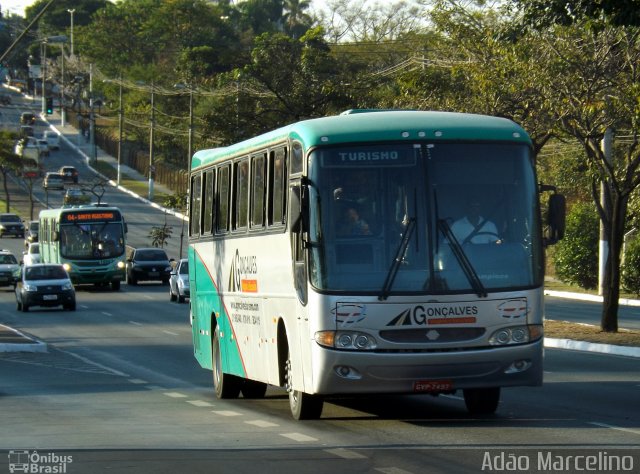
x: 88, y: 240
x: 326, y: 257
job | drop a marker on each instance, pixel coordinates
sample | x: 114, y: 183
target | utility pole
x: 43, y: 75
x: 92, y: 119
x: 120, y: 124
x: 152, y: 170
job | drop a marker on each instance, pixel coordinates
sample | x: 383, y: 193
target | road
x: 120, y: 390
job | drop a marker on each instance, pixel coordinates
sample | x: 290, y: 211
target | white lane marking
x: 106, y: 314
x: 148, y: 297
x: 171, y: 333
x: 175, y: 395
x: 84, y: 306
x: 392, y: 470
x: 298, y: 437
x: 89, y: 361
x: 200, y: 403
x: 138, y: 381
x: 226, y: 412
x: 619, y: 428
x: 345, y: 453
x: 136, y: 323
x: 261, y: 423
x: 155, y: 387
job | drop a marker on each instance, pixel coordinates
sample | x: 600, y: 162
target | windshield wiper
x: 397, y: 261
x: 462, y: 258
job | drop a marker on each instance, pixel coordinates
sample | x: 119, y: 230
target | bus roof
x: 379, y: 126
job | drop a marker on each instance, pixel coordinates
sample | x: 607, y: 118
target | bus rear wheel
x: 303, y: 406
x: 225, y: 385
x: 482, y: 401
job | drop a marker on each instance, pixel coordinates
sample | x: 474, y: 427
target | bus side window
x: 222, y: 200
x: 194, y: 218
x: 258, y: 182
x: 296, y: 158
x: 241, y: 194
x: 277, y: 185
x: 208, y: 201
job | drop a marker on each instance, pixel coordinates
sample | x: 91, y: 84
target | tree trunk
x: 611, y: 284
x: 7, y: 199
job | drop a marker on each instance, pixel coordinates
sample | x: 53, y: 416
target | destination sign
x: 84, y: 216
x: 380, y: 155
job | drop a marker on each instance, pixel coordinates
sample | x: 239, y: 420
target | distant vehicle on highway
x: 53, y: 139
x: 27, y: 118
x: 11, y: 224
x: 32, y: 232
x: 9, y: 268
x: 148, y: 264
x: 70, y: 174
x: 43, y: 145
x: 53, y: 181
x: 179, y: 281
x: 75, y: 197
x: 31, y: 256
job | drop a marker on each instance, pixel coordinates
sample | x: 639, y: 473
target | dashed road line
x: 106, y: 314
x: 299, y: 437
x: 345, y: 453
x: 138, y: 381
x: 226, y: 412
x: 171, y: 333
x: 200, y: 403
x: 261, y: 423
x: 175, y: 395
x: 392, y: 470
x: 136, y: 323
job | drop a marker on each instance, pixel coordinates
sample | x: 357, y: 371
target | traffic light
x: 49, y: 105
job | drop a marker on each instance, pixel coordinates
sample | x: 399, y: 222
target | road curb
x: 583, y: 346
x: 21, y: 342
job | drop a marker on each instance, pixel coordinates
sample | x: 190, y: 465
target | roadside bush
x: 576, y: 256
x: 631, y: 267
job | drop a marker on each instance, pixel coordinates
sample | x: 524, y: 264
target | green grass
x: 140, y: 188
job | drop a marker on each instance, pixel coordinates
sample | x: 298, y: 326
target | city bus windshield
x: 90, y: 241
x: 423, y: 218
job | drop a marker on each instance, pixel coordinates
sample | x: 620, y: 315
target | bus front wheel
x: 225, y: 385
x: 482, y: 401
x: 303, y: 406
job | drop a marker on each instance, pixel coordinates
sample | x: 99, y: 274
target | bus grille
x: 432, y: 335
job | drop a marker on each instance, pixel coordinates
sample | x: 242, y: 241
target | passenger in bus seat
x: 473, y: 228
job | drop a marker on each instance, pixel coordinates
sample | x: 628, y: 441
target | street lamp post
x: 120, y: 124
x: 43, y: 75
x: 71, y: 10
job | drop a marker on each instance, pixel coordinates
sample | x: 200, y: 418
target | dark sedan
x: 45, y: 284
x: 148, y: 264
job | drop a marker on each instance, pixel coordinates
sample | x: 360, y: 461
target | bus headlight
x: 120, y: 265
x: 67, y: 267
x: 347, y: 340
x: 516, y: 335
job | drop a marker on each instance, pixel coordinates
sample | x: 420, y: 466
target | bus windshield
x: 91, y: 241
x: 423, y: 218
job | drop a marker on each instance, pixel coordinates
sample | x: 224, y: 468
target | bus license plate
x: 154, y: 274
x: 433, y: 386
x: 50, y: 297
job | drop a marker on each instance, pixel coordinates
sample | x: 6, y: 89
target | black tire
x: 115, y: 285
x: 253, y: 389
x: 303, y: 406
x: 18, y: 305
x: 180, y: 298
x: 225, y: 385
x: 482, y: 401
x: 25, y: 308
x: 172, y: 296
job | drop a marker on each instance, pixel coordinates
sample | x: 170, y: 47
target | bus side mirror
x: 556, y: 218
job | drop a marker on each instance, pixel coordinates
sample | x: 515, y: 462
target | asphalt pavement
x: 12, y: 340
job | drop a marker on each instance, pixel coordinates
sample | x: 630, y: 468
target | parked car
x: 53, y: 139
x: 70, y: 174
x: 148, y: 264
x: 53, y: 181
x: 75, y: 197
x: 179, y: 281
x: 11, y: 224
x: 32, y: 233
x: 27, y: 118
x: 43, y: 146
x: 45, y: 284
x: 32, y: 254
x: 9, y: 268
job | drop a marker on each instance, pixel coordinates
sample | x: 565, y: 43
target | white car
x: 28, y: 149
x: 43, y: 146
x: 179, y: 281
x: 32, y: 254
x: 53, y: 139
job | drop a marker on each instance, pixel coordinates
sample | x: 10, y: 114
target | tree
x: 296, y: 20
x: 10, y: 162
x: 544, y: 13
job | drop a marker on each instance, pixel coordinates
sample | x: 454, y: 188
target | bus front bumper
x: 424, y: 372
